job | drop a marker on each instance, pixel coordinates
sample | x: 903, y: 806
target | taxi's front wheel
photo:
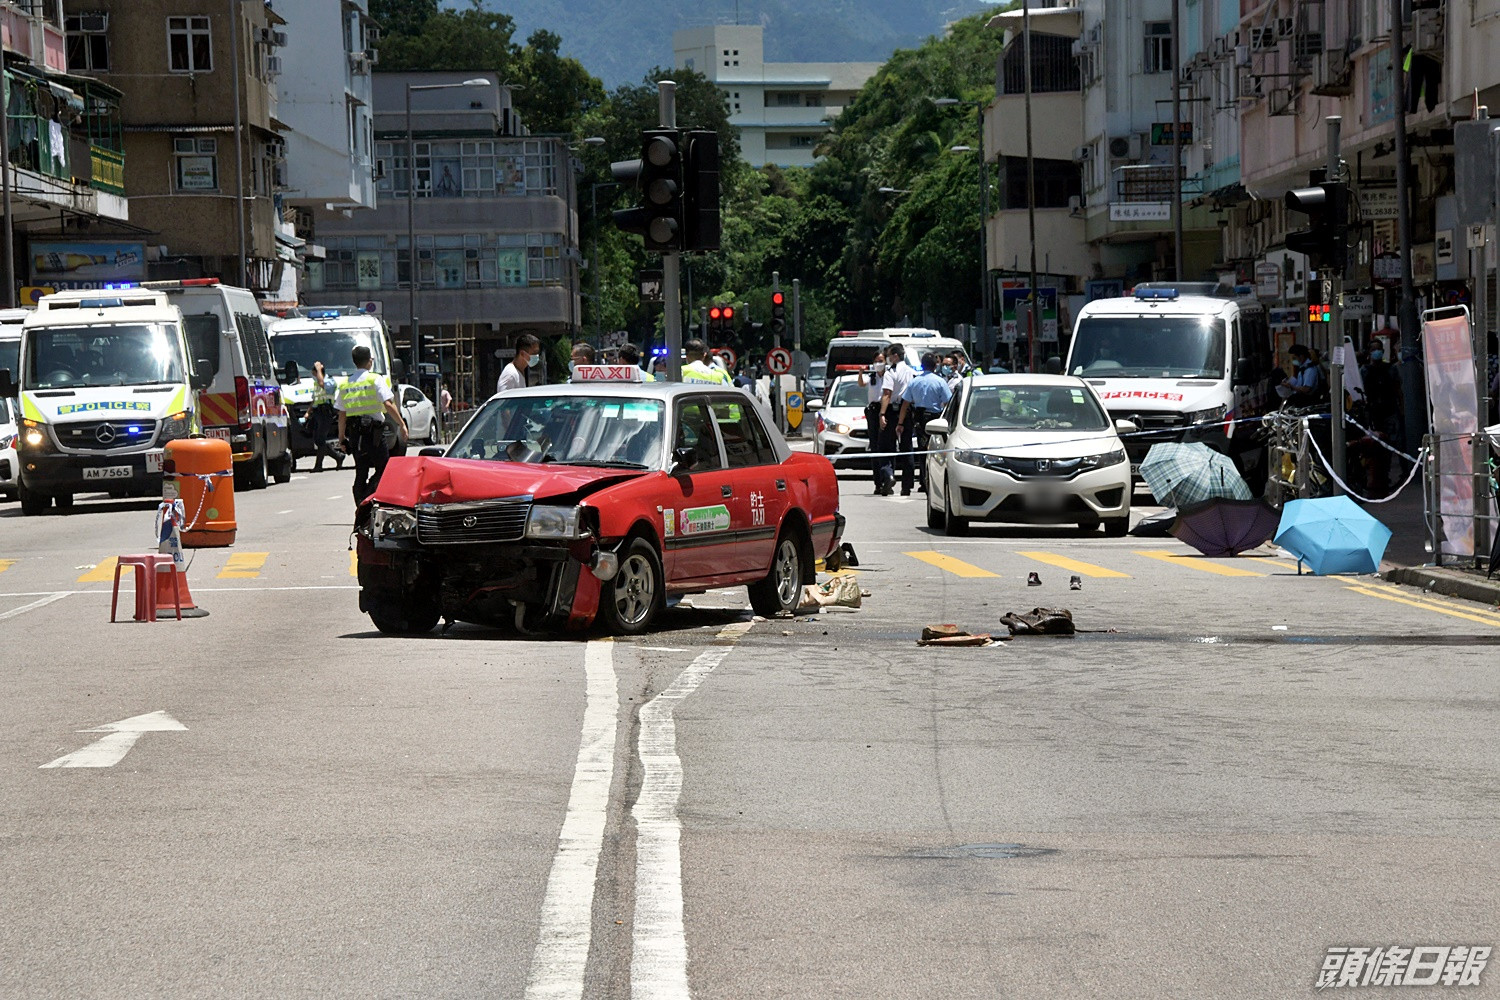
x: 637, y: 592
x: 781, y: 590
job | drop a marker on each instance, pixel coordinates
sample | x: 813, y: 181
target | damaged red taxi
x: 561, y: 506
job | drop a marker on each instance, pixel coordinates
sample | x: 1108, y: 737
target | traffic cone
x: 166, y: 607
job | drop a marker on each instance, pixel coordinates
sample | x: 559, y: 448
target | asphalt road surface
x: 1234, y: 770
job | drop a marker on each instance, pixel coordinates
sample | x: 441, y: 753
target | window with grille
x: 189, y: 45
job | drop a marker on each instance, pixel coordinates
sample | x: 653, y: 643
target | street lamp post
x: 411, y: 226
x: 985, y: 303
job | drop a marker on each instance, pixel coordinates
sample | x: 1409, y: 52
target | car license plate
x: 220, y: 433
x: 109, y: 472
x: 1135, y: 468
x: 1045, y: 501
x: 154, y: 460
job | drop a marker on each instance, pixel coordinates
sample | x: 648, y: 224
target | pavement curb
x: 1451, y: 583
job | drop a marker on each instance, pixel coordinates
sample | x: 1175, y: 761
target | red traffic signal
x: 777, y: 298
x: 727, y: 313
x: 714, y: 313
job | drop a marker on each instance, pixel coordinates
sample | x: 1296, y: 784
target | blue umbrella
x: 1332, y: 535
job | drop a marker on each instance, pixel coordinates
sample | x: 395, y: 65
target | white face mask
x: 533, y: 360
x: 880, y: 368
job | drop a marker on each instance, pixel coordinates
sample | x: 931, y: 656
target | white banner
x: 1454, y: 402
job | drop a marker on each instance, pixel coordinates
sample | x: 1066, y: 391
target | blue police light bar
x: 323, y: 314
x: 1156, y: 294
x: 132, y: 429
x: 118, y: 285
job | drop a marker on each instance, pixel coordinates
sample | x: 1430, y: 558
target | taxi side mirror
x: 683, y: 460
x: 203, y: 374
x: 431, y: 453
x: 291, y: 374
x: 937, y: 425
x: 7, y: 385
x: 815, y: 404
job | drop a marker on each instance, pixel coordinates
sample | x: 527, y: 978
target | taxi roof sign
x: 607, y: 373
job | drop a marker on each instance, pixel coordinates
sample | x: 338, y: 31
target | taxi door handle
x: 781, y: 485
x: 727, y: 491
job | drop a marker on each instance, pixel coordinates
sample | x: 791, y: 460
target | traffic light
x: 720, y: 320
x: 778, y: 313
x: 1318, y: 308
x: 700, y: 195
x: 657, y: 176
x: 1326, y: 206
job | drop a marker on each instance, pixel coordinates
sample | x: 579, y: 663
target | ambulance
x: 104, y: 383
x: 1182, y: 362
x: 328, y: 334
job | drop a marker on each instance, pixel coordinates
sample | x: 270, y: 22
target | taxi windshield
x: 848, y: 392
x: 1033, y: 408
x: 616, y: 431
x: 75, y: 357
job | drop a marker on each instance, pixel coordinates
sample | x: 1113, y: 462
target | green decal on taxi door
x: 703, y: 520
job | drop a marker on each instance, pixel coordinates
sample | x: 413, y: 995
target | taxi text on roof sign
x: 607, y: 373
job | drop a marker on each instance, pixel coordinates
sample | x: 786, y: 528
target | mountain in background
x: 620, y: 40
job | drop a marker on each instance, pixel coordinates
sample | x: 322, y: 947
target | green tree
x: 474, y: 39
x: 558, y: 92
x: 402, y: 17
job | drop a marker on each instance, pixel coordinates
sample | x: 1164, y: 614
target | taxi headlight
x: 392, y: 522
x: 175, y: 426
x: 553, y: 522
x: 841, y: 428
x: 1103, y: 461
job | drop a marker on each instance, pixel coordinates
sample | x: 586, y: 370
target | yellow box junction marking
x: 102, y: 573
x: 353, y: 563
x: 955, y: 566
x: 1198, y: 562
x: 1074, y: 566
x: 6, y: 564
x: 244, y: 566
x: 1483, y: 617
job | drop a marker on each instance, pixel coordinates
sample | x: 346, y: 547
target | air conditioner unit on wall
x: 1083, y: 153
x: 1242, y: 55
x: 1252, y: 88
x: 94, y: 21
x: 1285, y: 26
x: 1221, y: 47
x: 1262, y: 39
x: 1125, y: 147
x: 359, y: 64
x: 273, y: 66
x: 278, y: 38
x: 1427, y: 30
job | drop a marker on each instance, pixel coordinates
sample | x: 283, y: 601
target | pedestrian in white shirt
x: 898, y: 374
x: 528, y: 355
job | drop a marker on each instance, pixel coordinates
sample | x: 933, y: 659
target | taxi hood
x: 408, y: 481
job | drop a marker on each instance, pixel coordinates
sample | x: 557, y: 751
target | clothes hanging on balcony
x: 1424, y: 78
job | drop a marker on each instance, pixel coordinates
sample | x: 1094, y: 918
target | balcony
x: 1148, y: 183
x: 87, y: 153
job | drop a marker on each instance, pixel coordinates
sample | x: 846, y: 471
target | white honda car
x: 1031, y: 449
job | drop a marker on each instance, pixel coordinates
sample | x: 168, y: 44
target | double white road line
x: 659, y: 957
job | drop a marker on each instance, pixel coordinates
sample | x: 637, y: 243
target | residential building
x: 196, y: 112
x: 325, y: 91
x: 66, y: 159
x: 781, y: 109
x: 496, y: 224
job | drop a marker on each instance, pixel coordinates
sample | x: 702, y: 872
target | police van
x: 244, y: 404
x: 328, y: 334
x: 104, y: 382
x: 1182, y: 363
x: 854, y: 350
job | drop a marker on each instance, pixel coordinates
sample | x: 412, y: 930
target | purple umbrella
x: 1225, y: 527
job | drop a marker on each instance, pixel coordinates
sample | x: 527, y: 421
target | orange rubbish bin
x: 201, y: 471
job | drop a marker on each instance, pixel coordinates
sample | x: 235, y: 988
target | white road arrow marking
x: 111, y: 749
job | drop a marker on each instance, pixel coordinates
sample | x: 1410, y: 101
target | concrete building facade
x: 496, y: 222
x: 781, y: 109
x: 197, y: 77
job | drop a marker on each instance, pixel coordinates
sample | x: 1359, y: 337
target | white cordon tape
x: 1033, y: 444
x: 1415, y: 468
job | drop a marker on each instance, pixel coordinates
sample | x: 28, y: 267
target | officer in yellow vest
x: 320, y: 418
x: 363, y: 403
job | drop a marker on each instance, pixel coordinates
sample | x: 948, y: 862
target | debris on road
x: 840, y: 558
x: 952, y: 635
x: 842, y: 590
x: 1075, y: 583
x: 1033, y: 580
x: 1040, y: 621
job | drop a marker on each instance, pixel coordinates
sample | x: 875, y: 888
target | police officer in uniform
x: 363, y: 403
x: 321, y: 419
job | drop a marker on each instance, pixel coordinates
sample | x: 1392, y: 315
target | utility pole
x: 1177, y: 139
x: 666, y: 96
x: 1034, y: 325
x: 1408, y: 368
x: 1335, y: 312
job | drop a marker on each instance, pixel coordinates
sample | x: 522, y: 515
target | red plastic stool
x: 147, y: 565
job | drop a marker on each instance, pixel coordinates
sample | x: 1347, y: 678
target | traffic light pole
x: 776, y: 402
x: 1336, y: 317
x: 671, y: 261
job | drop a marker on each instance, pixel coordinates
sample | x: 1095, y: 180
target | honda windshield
x: 1031, y: 407
x: 77, y: 357
x: 1148, y: 347
x: 332, y: 347
x: 575, y: 430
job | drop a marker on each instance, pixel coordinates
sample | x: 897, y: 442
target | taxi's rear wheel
x: 781, y: 590
x: 404, y: 615
x: 637, y: 593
